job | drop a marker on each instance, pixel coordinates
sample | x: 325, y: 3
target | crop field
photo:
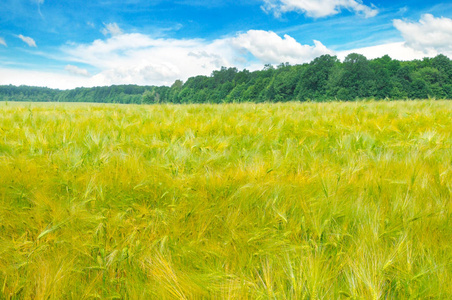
x: 236, y: 201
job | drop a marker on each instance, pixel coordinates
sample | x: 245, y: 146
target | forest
x: 323, y: 79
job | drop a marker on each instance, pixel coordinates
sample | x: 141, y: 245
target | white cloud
x: 139, y: 59
x: 427, y: 38
x: 111, y: 29
x: 399, y: 51
x: 77, y: 71
x: 429, y: 35
x: 28, y: 40
x: 45, y: 79
x: 318, y: 8
x: 2, y: 42
x: 269, y: 47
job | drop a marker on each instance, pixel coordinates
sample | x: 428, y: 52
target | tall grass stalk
x: 239, y: 201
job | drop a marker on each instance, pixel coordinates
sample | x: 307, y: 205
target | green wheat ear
x: 235, y: 201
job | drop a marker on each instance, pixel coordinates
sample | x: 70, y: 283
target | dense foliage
x: 325, y: 78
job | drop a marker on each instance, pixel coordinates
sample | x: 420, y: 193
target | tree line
x: 325, y: 78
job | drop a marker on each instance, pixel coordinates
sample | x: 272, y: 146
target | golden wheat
x: 239, y: 201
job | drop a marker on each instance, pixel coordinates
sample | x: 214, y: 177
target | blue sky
x: 66, y: 44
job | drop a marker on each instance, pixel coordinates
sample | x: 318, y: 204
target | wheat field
x: 236, y: 201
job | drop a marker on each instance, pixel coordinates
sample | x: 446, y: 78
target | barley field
x: 238, y: 201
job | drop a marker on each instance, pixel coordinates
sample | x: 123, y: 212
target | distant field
x: 240, y: 201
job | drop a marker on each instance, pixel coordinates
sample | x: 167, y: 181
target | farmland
x: 234, y: 201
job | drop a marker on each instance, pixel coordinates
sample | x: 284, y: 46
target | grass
x: 240, y: 201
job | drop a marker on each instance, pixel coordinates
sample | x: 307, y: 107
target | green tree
x: 315, y: 76
x: 150, y: 97
x: 358, y: 78
x: 419, y: 89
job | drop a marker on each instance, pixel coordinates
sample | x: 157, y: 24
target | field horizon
x: 328, y: 200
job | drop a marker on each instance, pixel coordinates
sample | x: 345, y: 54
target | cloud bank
x: 134, y: 58
x: 427, y: 38
x: 2, y: 42
x: 399, y: 51
x: 318, y: 8
x: 270, y: 48
x: 429, y: 35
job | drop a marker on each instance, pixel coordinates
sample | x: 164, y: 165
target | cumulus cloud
x: 28, y: 40
x: 2, y: 42
x: 111, y: 29
x: 140, y: 59
x: 77, y: 71
x: 429, y: 35
x: 318, y: 8
x: 427, y: 38
x: 269, y: 47
x: 399, y: 51
x: 45, y: 79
